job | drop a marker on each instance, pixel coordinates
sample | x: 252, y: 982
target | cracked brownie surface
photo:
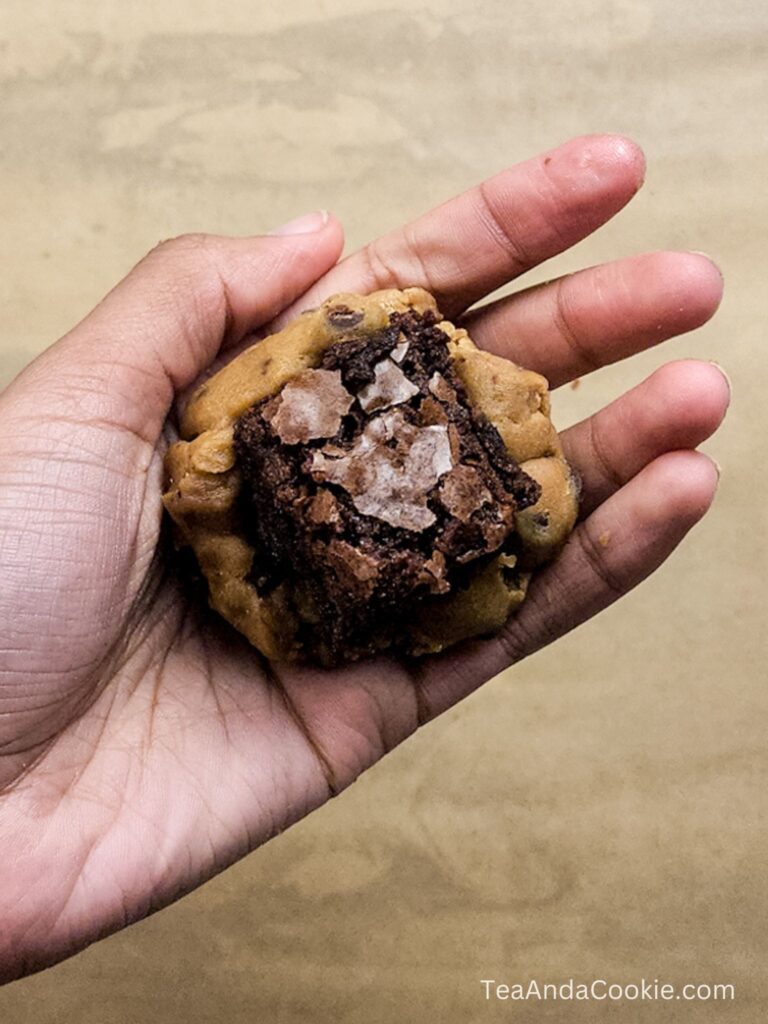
x: 367, y: 478
x: 370, y: 483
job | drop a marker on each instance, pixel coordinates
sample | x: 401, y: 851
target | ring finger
x: 677, y: 407
x: 575, y: 324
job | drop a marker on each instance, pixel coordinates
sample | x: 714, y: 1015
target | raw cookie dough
x: 368, y: 479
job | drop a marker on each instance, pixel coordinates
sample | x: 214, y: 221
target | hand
x: 144, y: 745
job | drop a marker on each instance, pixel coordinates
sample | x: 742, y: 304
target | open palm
x: 143, y: 744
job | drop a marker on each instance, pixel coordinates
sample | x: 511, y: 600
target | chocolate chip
x: 342, y: 317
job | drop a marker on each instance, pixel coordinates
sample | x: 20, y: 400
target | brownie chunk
x: 370, y: 483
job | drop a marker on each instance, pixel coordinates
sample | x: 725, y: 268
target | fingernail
x: 725, y: 375
x: 308, y: 224
x: 718, y: 467
x: 698, y: 252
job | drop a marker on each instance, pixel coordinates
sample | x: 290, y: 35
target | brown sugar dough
x: 207, y: 495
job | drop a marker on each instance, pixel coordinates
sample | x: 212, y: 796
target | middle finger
x: 494, y: 232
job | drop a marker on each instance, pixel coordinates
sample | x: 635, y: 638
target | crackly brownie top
x: 370, y: 483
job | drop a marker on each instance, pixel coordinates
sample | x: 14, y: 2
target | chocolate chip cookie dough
x: 368, y: 479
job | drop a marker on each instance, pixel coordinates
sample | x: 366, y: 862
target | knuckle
x: 519, y: 636
x: 594, y: 552
x: 416, y: 260
x: 601, y: 458
x: 533, y: 626
x: 503, y: 237
x: 514, y: 642
x: 584, y: 358
x: 184, y: 272
x: 189, y: 244
x: 399, y: 264
x: 379, y: 268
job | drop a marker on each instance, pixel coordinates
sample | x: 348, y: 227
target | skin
x: 144, y: 746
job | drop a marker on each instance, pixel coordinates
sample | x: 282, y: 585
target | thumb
x: 79, y: 466
x: 164, y: 323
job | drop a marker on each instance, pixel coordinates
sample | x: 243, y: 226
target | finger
x: 155, y: 332
x: 483, y: 238
x: 610, y: 553
x: 677, y: 407
x: 568, y: 327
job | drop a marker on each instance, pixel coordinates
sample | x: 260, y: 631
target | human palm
x: 143, y: 744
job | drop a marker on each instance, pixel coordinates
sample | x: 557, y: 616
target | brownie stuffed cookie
x: 367, y: 479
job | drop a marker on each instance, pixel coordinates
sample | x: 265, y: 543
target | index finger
x: 476, y: 242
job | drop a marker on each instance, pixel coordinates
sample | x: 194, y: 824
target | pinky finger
x: 621, y: 543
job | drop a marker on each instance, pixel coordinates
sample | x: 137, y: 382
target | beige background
x: 601, y: 810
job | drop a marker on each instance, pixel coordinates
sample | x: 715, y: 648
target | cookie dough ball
x: 367, y: 479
